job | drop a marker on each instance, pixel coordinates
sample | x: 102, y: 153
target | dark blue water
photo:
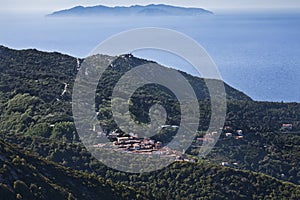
x: 258, y: 54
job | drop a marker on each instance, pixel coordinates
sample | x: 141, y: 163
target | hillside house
x: 287, y: 127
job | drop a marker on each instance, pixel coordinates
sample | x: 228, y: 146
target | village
x: 135, y: 144
x: 132, y: 143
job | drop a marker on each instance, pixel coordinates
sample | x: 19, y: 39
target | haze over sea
x: 257, y: 53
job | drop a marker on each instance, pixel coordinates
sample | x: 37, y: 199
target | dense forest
x: 41, y: 150
x: 24, y: 176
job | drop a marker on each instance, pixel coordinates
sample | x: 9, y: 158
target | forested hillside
x: 24, y: 176
x: 35, y: 107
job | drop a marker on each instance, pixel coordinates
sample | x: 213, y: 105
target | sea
x: 257, y: 53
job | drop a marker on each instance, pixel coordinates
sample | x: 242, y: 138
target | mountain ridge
x: 135, y: 10
x: 232, y: 93
x: 31, y: 103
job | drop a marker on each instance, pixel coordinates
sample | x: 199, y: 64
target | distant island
x: 136, y: 10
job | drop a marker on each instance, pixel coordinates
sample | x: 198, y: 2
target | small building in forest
x: 287, y: 127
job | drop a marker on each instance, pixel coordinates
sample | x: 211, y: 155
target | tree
x: 65, y: 131
x: 41, y: 129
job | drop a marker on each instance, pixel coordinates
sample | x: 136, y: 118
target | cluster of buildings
x: 229, y: 132
x: 133, y: 143
x: 138, y: 145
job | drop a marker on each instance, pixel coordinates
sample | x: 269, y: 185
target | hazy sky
x: 17, y: 6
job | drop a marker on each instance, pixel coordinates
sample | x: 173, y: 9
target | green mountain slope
x: 178, y: 181
x: 36, y: 115
x: 24, y: 176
